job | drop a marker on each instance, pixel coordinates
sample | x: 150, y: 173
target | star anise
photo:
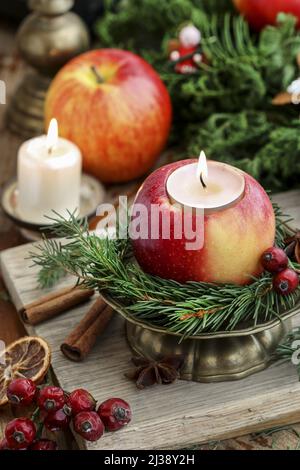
x: 149, y: 372
x: 293, y: 246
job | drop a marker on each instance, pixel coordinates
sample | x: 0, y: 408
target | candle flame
x: 202, y: 169
x: 52, y: 136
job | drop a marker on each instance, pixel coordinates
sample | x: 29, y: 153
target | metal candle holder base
x: 26, y: 113
x: 92, y: 194
x: 211, y: 357
x: 47, y: 39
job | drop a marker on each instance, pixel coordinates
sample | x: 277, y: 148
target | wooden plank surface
x: 173, y: 416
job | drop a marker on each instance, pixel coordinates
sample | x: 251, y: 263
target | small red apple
x: 114, y: 106
x: 260, y: 13
x: 234, y: 238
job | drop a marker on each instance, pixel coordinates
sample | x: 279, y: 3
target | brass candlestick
x: 47, y: 39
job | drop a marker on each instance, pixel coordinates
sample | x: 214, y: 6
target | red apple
x: 234, y: 238
x: 259, y: 13
x: 114, y: 106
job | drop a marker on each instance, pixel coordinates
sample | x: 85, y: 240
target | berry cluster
x: 56, y: 411
x: 285, y: 280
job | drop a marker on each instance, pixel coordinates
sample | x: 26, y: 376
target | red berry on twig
x: 88, y: 425
x: 81, y: 400
x: 274, y: 260
x: 21, y: 392
x: 57, y: 420
x: 20, y: 433
x: 286, y: 282
x: 115, y: 413
x: 51, y: 398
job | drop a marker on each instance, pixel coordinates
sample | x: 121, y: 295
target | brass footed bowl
x: 210, y: 357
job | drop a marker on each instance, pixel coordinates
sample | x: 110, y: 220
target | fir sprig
x: 226, y: 108
x: 187, y: 309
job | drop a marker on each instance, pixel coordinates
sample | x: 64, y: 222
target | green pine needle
x: 226, y: 107
x: 187, y: 309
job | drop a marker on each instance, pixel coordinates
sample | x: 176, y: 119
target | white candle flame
x: 52, y: 136
x: 202, y: 169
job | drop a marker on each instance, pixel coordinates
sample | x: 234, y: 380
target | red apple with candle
x: 260, y: 13
x: 115, y: 107
x: 234, y: 237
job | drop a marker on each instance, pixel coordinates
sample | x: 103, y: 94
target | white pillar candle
x: 49, y: 177
x: 211, y: 185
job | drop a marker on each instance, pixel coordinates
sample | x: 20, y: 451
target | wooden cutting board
x: 174, y: 416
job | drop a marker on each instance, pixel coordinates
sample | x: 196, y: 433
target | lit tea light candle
x: 207, y: 185
x: 222, y: 242
x: 49, y: 176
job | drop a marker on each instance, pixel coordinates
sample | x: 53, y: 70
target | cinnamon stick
x: 54, y: 304
x: 81, y: 340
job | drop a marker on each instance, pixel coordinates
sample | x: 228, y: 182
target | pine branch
x: 226, y: 107
x: 187, y: 309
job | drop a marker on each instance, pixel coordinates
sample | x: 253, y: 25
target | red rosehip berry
x: 57, y: 420
x: 88, y: 425
x: 81, y: 400
x: 286, y: 282
x: 43, y: 444
x: 20, y: 433
x: 21, y: 392
x: 274, y: 260
x: 115, y: 413
x: 51, y: 398
x: 4, y: 444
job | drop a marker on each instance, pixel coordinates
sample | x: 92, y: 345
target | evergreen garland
x: 226, y: 107
x: 187, y: 309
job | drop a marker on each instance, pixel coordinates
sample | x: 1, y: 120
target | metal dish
x: 210, y: 357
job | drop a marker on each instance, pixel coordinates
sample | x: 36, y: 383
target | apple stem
x: 97, y: 74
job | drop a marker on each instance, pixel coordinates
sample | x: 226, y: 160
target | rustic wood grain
x: 177, y: 416
x: 8, y: 316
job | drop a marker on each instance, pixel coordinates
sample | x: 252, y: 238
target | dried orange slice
x: 28, y: 357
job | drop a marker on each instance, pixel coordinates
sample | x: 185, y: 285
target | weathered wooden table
x: 11, y: 71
